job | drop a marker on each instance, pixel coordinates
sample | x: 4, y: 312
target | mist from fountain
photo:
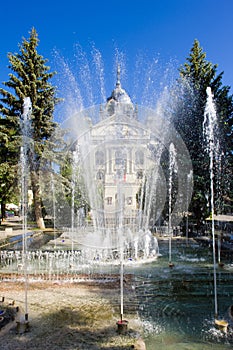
x: 130, y: 128
x: 135, y: 236
x: 101, y: 233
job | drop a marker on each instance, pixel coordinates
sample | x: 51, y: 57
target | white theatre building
x: 119, y: 155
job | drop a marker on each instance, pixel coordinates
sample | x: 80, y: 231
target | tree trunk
x: 3, y: 211
x: 37, y: 200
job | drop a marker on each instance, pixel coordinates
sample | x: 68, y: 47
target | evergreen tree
x: 31, y: 78
x: 9, y: 165
x: 195, y: 76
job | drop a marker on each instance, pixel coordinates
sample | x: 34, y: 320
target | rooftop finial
x: 118, y: 83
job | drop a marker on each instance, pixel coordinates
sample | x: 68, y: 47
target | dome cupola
x: 120, y: 100
x: 119, y: 94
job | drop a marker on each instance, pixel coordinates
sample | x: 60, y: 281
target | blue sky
x: 164, y: 28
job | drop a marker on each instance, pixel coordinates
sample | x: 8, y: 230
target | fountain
x: 54, y: 207
x: 188, y: 195
x: 210, y: 130
x: 119, y: 157
x: 118, y: 151
x: 26, y: 145
x: 117, y: 164
x: 172, y: 169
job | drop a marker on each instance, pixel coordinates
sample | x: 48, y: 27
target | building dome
x: 119, y: 94
x: 119, y: 99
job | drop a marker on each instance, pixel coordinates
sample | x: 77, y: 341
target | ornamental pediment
x: 127, y: 128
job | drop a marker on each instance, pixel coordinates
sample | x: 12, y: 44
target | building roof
x: 119, y: 95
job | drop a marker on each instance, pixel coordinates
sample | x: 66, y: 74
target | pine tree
x: 31, y: 78
x: 195, y: 76
x: 9, y: 165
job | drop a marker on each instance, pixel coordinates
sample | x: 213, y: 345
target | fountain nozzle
x: 222, y: 325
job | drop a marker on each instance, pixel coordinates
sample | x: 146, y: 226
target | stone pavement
x: 11, y: 226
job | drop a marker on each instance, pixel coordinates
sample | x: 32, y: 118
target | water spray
x: 210, y: 128
x: 24, y: 191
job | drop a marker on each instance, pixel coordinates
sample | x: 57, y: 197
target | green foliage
x: 190, y: 94
x: 30, y: 77
x: 72, y: 180
x: 9, y: 163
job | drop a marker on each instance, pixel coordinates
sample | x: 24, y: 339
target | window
x: 129, y: 200
x: 99, y: 158
x: 120, y: 157
x: 109, y: 200
x: 139, y: 158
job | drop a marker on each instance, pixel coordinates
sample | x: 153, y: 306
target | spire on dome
x: 119, y: 94
x: 120, y: 100
x: 118, y: 83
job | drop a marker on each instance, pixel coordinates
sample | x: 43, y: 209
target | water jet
x: 210, y: 131
x: 26, y: 143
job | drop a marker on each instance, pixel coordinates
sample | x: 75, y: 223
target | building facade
x: 118, y: 158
